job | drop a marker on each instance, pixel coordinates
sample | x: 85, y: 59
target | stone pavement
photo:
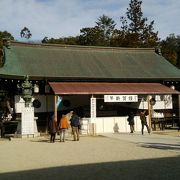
x: 104, y: 157
x: 159, y: 140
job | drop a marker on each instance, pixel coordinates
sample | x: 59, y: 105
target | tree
x: 171, y: 49
x: 25, y: 32
x: 118, y: 39
x: 106, y: 26
x: 136, y: 29
x: 66, y: 40
x: 100, y: 34
x: 45, y: 40
x: 70, y: 40
x: 5, y: 35
x: 91, y: 36
x: 178, y: 53
x: 134, y: 32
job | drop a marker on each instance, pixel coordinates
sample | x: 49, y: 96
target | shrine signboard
x: 120, y: 98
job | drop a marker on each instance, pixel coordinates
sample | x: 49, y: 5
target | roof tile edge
x: 29, y: 44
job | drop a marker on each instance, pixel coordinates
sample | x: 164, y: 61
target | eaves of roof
x: 64, y: 88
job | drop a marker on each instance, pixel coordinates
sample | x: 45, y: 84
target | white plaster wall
x: 106, y: 124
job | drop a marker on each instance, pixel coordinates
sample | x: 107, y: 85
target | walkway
x: 158, y: 141
x: 113, y: 156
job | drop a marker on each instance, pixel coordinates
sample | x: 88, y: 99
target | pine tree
x: 136, y: 29
x: 106, y: 26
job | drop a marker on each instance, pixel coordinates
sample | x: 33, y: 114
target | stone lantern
x: 26, y: 88
x: 27, y: 125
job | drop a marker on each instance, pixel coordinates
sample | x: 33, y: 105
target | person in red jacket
x: 63, y: 125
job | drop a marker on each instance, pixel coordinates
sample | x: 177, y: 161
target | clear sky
x: 62, y: 18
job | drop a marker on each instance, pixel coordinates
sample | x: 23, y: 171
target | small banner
x: 120, y: 98
x: 93, y: 108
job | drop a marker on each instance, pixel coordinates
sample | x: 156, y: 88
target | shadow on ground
x: 156, y: 169
x: 162, y: 146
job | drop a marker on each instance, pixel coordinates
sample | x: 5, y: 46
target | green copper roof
x: 77, y: 62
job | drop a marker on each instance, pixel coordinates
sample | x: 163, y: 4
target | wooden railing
x: 163, y: 123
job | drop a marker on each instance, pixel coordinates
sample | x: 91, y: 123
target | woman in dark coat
x: 131, y: 121
x: 53, y: 128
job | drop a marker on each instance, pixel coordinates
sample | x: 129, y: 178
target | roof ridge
x: 31, y: 44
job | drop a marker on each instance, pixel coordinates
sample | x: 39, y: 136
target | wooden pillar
x: 149, y: 111
x: 47, y: 118
x: 179, y: 110
x: 55, y: 107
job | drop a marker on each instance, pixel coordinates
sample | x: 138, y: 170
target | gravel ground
x: 93, y: 157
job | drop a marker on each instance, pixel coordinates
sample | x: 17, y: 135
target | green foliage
x: 25, y: 32
x: 67, y: 40
x: 91, y: 36
x: 5, y: 35
x: 118, y: 39
x: 171, y: 49
x: 45, y: 40
x: 106, y: 26
x: 135, y: 27
x: 100, y: 35
x: 135, y: 32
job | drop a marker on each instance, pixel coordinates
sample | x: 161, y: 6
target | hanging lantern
x: 36, y: 88
x: 172, y: 87
x: 152, y: 101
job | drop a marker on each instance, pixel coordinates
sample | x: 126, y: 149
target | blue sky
x: 62, y: 18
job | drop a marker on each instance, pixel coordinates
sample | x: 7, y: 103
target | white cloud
x: 58, y: 18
